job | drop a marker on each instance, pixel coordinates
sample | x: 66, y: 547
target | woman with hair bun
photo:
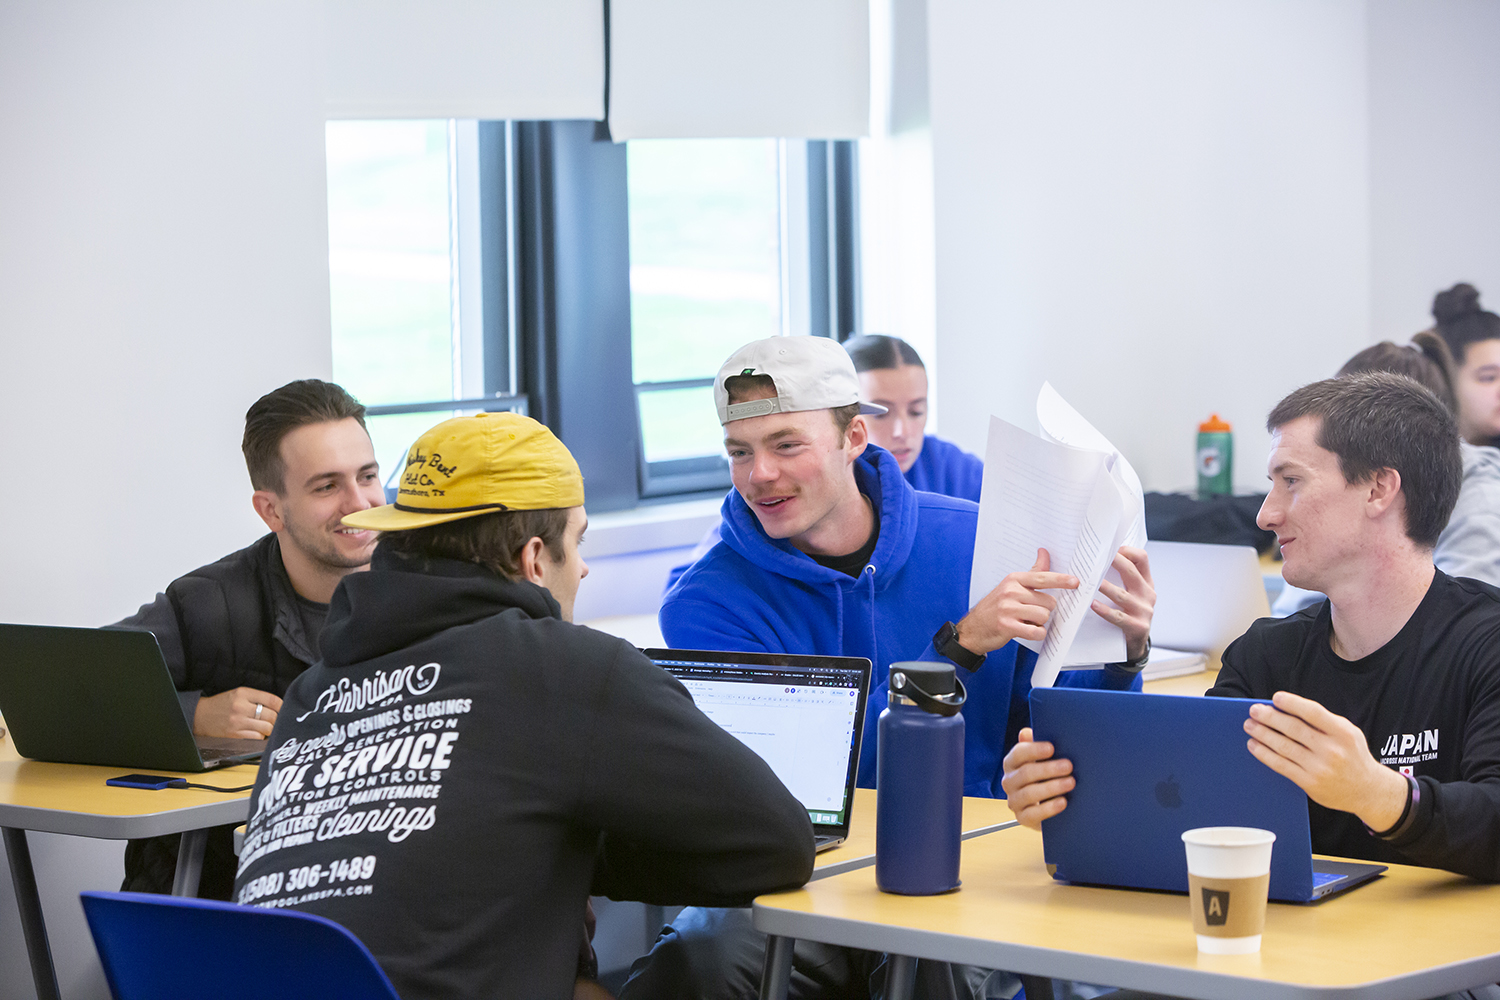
x: 1470, y: 544
x: 1473, y: 338
x: 891, y: 373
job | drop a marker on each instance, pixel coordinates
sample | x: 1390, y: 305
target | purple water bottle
x: 919, y: 772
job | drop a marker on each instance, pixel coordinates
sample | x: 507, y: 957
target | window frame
x: 554, y: 275
x: 571, y: 176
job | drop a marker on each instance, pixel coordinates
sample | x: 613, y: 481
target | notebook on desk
x: 1148, y: 767
x: 804, y: 716
x: 101, y: 696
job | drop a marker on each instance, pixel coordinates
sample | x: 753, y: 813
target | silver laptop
x: 101, y: 696
x: 1206, y: 595
x: 803, y: 715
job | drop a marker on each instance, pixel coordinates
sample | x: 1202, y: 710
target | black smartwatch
x: 947, y: 644
x: 1135, y: 666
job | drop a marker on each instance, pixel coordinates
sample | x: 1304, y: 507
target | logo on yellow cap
x: 477, y: 465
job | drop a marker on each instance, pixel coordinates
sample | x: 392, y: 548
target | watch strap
x: 1137, y: 665
x: 947, y: 645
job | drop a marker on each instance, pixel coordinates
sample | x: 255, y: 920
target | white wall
x: 897, y: 288
x: 1159, y: 206
x: 1435, y: 156
x: 163, y: 262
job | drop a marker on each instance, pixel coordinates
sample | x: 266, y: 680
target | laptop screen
x: 803, y: 716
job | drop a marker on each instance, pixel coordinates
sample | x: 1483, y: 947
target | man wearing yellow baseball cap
x: 465, y: 766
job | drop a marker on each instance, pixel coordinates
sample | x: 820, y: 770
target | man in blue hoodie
x: 827, y: 549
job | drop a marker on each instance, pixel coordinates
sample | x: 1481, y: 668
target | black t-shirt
x: 1428, y: 703
x: 313, y: 616
x: 854, y: 563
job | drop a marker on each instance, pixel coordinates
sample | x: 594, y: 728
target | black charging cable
x: 184, y: 783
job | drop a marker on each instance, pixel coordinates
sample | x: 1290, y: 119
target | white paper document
x: 1069, y: 492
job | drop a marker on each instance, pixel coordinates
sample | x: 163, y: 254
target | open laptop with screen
x: 803, y: 715
x: 1148, y: 767
x: 101, y: 696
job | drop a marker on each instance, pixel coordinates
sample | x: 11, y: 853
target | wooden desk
x: 1416, y: 932
x: 1194, y: 684
x: 73, y: 799
x: 858, y: 851
x: 981, y: 816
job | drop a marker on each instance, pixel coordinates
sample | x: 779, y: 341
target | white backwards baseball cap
x: 810, y: 373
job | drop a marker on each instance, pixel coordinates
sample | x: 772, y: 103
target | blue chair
x: 177, y: 948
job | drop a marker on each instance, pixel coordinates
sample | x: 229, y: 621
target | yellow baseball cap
x: 476, y: 465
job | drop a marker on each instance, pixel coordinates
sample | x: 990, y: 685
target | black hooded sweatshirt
x: 463, y: 768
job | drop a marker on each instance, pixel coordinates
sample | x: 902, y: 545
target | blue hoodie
x: 944, y: 467
x: 754, y: 593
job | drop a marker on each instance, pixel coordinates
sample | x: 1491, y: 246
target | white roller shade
x: 703, y: 68
x: 465, y: 59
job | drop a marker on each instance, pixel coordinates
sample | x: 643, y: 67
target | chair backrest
x: 175, y: 948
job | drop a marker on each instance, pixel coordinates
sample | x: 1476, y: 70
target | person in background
x: 466, y: 765
x: 1473, y: 338
x: 236, y: 632
x: 891, y: 374
x: 1470, y: 543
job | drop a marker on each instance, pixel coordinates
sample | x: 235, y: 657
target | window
x: 541, y: 267
x: 705, y: 277
x: 407, y: 259
x: 730, y: 241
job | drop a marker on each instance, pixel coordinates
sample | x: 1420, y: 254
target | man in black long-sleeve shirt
x: 464, y: 765
x: 1386, y: 696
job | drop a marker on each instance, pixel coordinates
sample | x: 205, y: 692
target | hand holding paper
x: 1070, y: 493
x: 1018, y: 608
x: 1134, y: 599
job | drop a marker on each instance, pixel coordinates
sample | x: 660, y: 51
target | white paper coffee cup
x: 1229, y: 873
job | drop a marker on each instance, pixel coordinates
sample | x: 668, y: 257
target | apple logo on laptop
x: 1169, y: 793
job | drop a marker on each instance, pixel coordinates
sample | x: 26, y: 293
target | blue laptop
x: 1150, y: 766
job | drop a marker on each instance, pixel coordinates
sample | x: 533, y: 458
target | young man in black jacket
x: 464, y: 766
x: 1387, y: 695
x: 236, y: 632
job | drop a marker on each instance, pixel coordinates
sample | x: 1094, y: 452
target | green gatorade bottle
x: 1215, y: 458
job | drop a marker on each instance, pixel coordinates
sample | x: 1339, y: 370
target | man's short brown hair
x: 1380, y: 420
x: 493, y: 541
x: 743, y: 388
x: 276, y: 414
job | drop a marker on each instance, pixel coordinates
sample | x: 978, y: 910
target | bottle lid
x: 1213, y: 425
x: 933, y: 687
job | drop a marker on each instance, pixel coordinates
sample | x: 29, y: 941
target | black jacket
x: 229, y: 624
x: 463, y: 768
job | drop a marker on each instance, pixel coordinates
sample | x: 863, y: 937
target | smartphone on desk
x: 152, y: 782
